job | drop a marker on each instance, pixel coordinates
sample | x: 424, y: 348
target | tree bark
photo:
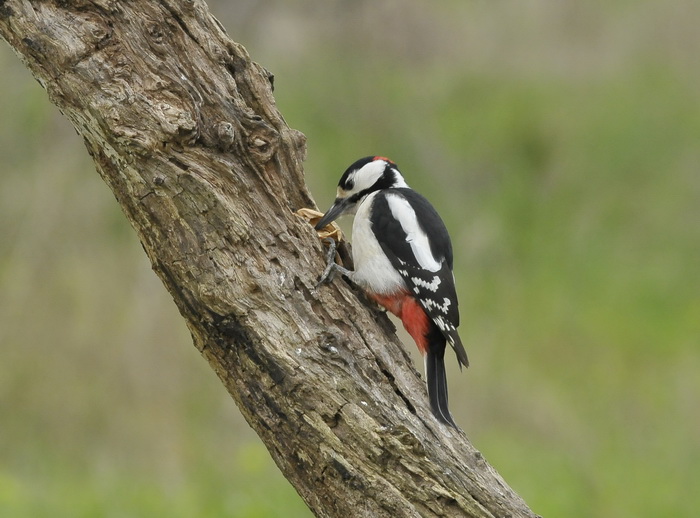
x: 183, y: 127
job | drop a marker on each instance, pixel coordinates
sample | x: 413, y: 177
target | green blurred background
x: 560, y: 142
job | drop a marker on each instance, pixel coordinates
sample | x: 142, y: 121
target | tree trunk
x: 183, y: 127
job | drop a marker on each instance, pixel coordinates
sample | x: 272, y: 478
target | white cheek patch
x: 368, y: 175
x: 415, y: 236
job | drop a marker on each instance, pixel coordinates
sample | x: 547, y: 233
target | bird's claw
x: 329, y: 273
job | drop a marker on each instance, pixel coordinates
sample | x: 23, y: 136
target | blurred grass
x: 559, y: 141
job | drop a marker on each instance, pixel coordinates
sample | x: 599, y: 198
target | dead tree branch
x: 183, y: 127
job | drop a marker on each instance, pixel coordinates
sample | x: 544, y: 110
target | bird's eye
x: 349, y: 185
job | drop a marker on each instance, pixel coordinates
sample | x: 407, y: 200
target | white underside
x: 373, y: 271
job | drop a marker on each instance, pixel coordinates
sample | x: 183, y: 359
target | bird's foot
x: 331, y: 266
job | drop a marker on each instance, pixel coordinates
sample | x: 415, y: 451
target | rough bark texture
x: 184, y: 129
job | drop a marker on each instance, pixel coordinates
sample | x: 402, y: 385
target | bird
x: 402, y: 257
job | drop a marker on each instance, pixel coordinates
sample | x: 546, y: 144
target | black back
x: 420, y: 282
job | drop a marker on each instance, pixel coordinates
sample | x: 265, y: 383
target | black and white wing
x: 416, y: 242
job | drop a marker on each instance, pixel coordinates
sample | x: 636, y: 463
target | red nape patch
x: 411, y: 313
x: 383, y: 158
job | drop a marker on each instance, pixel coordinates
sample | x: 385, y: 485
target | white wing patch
x: 430, y: 304
x: 432, y: 285
x: 445, y: 326
x: 415, y: 236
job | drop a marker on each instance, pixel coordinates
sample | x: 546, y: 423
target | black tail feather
x: 437, y: 386
x: 456, y: 343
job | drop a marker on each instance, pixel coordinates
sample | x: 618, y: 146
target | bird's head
x: 362, y: 178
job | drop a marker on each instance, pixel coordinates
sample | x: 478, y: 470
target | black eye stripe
x: 359, y: 195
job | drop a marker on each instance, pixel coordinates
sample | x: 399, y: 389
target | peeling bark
x: 183, y: 127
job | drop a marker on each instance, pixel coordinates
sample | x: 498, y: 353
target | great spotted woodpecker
x: 403, y: 260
